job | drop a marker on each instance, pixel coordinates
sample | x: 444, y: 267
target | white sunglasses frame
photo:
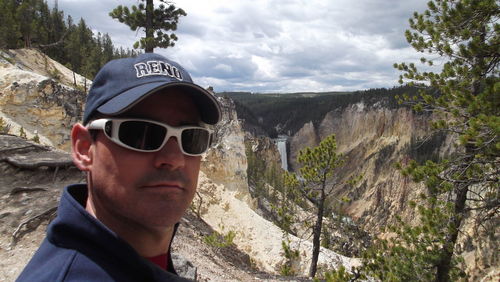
x: 172, y: 131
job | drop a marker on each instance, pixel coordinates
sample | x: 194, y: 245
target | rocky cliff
x: 374, y: 138
x: 225, y: 203
x: 39, y: 95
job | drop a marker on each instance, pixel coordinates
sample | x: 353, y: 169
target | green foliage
x: 340, y: 275
x: 291, y: 255
x: 30, y: 16
x: 220, y: 240
x: 352, y: 240
x: 265, y: 178
x: 22, y: 133
x: 30, y: 23
x: 317, y: 182
x: 157, y: 23
x: 55, y: 74
x: 36, y: 138
x: 319, y: 163
x: 278, y: 187
x: 9, y: 29
x: 413, y: 253
x: 465, y: 99
x: 291, y: 194
x: 4, y: 126
x: 86, y: 53
x: 287, y: 202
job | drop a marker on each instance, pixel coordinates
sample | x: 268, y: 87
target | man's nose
x: 170, y: 155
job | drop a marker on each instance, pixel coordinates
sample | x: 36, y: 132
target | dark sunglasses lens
x: 142, y: 135
x: 195, y: 141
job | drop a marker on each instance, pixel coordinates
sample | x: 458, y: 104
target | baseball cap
x: 120, y: 84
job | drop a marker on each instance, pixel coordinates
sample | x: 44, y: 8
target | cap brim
x: 205, y: 101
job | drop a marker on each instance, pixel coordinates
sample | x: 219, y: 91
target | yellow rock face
x: 33, y: 100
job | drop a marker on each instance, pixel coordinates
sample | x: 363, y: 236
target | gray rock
x: 184, y: 267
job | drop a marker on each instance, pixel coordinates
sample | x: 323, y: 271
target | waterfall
x: 281, y: 143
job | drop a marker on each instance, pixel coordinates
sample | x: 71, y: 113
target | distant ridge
x: 290, y: 111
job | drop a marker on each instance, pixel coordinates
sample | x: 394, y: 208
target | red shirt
x: 161, y: 260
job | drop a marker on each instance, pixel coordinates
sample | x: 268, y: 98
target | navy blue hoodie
x: 80, y: 248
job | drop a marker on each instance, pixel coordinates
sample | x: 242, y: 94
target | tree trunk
x: 444, y: 265
x: 317, y: 234
x: 149, y: 27
x: 27, y: 41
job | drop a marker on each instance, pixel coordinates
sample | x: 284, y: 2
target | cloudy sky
x: 277, y: 45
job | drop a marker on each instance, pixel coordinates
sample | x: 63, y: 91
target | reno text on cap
x: 157, y: 68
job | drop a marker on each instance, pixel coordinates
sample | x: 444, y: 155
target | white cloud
x: 278, y: 45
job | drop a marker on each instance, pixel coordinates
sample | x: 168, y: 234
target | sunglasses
x: 150, y: 136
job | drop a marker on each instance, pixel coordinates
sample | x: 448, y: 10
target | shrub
x: 220, y: 241
x: 4, y: 126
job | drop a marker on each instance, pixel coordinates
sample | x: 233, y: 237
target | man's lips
x: 163, y: 179
x: 163, y: 185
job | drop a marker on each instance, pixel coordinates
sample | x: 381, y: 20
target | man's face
x: 146, y: 190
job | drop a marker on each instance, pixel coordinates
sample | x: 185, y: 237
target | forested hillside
x: 31, y: 24
x: 287, y: 113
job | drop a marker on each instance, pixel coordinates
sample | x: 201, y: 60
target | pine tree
x: 318, y: 180
x: 57, y: 34
x: 9, y: 29
x: 107, y: 49
x: 26, y: 17
x: 31, y: 24
x: 155, y: 22
x: 465, y: 99
x: 42, y: 23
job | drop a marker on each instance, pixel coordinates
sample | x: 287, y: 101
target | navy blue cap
x: 122, y: 83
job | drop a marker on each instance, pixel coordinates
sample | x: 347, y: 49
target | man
x: 144, y: 128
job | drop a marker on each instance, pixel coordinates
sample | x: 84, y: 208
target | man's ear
x: 81, y: 147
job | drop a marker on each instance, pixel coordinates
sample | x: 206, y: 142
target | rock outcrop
x: 225, y: 203
x: 374, y: 138
x: 226, y: 162
x: 31, y: 180
x: 305, y: 137
x: 227, y: 211
x: 40, y: 96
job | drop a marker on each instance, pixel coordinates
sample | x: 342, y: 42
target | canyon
x: 44, y: 99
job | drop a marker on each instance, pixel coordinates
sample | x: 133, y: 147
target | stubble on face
x: 130, y: 188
